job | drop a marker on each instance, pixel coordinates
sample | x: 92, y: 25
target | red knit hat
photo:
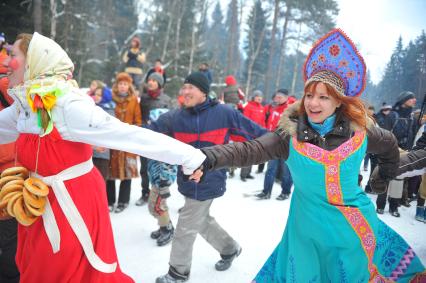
x: 123, y: 77
x: 230, y: 80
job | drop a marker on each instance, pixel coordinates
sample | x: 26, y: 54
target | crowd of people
x: 72, y: 140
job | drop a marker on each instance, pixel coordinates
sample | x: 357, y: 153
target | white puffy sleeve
x: 87, y: 123
x: 8, y: 123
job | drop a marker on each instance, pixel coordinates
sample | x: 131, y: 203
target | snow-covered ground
x: 257, y: 225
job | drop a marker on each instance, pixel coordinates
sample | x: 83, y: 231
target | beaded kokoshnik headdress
x: 334, y: 60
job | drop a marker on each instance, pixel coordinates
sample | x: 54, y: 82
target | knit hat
x: 199, y: 80
x: 282, y: 91
x: 123, y: 77
x: 230, y: 80
x: 256, y: 93
x: 404, y: 96
x: 158, y: 78
x: 385, y: 107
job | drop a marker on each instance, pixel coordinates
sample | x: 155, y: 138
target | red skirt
x: 35, y: 258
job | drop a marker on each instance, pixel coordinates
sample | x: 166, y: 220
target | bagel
x: 11, y: 202
x: 21, y: 214
x: 33, y: 200
x: 4, y: 201
x: 7, y: 179
x: 8, y: 189
x: 16, y: 171
x: 36, y: 186
x: 14, y: 182
x: 34, y: 211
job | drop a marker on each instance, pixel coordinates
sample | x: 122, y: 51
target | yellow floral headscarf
x: 47, y: 76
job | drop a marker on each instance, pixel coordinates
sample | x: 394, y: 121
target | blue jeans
x: 271, y: 172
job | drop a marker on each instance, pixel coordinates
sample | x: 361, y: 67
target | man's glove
x: 377, y: 183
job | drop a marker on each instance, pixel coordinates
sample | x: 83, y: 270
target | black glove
x: 378, y: 184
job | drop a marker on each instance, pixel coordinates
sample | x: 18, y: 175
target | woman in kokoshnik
x: 333, y: 233
x: 54, y: 126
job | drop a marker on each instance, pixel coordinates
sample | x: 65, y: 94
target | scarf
x: 325, y: 127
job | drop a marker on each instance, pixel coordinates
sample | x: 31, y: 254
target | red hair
x: 351, y: 107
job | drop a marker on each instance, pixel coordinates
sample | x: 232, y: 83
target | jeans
x: 271, y: 172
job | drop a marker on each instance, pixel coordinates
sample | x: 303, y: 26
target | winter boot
x: 249, y: 176
x: 226, y: 261
x: 120, y: 207
x: 421, y: 213
x: 263, y: 195
x: 394, y: 213
x: 156, y: 234
x: 380, y: 210
x: 166, y: 235
x: 172, y: 277
x: 283, y: 196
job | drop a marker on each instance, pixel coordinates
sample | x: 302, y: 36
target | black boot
x: 283, y: 196
x: 263, y: 195
x: 226, y: 261
x: 156, y: 234
x: 166, y: 234
x: 172, y: 277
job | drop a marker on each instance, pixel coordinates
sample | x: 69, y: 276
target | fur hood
x: 291, y: 119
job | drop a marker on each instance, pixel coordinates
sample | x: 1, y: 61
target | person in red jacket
x: 255, y: 111
x: 281, y: 100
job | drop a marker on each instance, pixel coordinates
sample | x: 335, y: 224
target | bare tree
x: 169, y: 28
x: 233, y: 38
x: 204, y: 5
x: 37, y: 15
x: 283, y: 45
x: 272, y: 49
x: 257, y: 48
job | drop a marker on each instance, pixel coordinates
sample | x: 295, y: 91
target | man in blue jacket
x: 202, y: 122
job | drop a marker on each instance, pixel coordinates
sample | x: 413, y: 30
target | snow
x: 257, y: 225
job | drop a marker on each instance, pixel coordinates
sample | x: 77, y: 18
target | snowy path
x: 256, y: 225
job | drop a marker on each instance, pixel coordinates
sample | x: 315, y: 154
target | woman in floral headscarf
x: 54, y: 125
x: 333, y: 233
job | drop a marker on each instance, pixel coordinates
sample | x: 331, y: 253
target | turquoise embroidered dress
x: 333, y: 233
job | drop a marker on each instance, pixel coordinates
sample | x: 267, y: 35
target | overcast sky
x: 375, y: 25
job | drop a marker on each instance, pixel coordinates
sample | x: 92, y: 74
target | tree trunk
x: 233, y: 40
x: 255, y: 53
x: 296, y: 62
x: 169, y: 29
x: 282, y: 47
x: 181, y: 9
x: 37, y: 16
x: 272, y: 49
x: 53, y: 19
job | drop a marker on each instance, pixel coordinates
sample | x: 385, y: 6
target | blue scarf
x: 325, y: 127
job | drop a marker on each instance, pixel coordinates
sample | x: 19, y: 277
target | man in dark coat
x: 202, y: 122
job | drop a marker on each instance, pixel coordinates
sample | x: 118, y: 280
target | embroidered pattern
x: 331, y: 161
